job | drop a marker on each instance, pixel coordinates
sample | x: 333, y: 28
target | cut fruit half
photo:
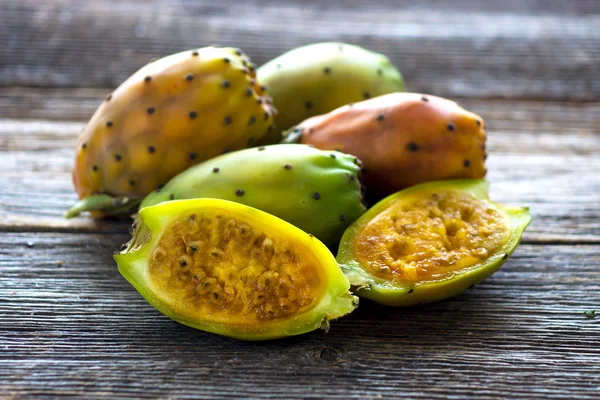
x: 429, y: 242
x: 230, y: 269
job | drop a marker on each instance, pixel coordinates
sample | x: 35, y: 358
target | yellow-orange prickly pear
x: 171, y: 114
x: 402, y: 139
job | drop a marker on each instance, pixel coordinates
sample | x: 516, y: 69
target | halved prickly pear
x: 171, y: 114
x: 402, y: 139
x: 317, y: 78
x: 429, y: 242
x: 230, y: 269
x: 317, y: 191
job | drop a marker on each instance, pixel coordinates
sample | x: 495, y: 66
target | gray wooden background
x: 70, y: 325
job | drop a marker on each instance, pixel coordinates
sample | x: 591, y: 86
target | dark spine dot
x: 342, y: 217
x: 239, y: 192
x: 308, y: 105
x: 227, y: 120
x: 192, y: 114
x: 412, y: 146
x: 95, y: 168
x: 411, y: 290
x: 249, y: 92
x: 380, y: 72
x: 380, y: 117
x: 478, y: 122
x: 150, y: 110
x: 271, y: 128
x: 327, y: 70
x: 123, y: 247
x: 252, y: 120
x: 225, y: 84
x: 109, y: 124
x: 261, y: 148
x: 279, y: 66
x: 84, y: 146
x: 195, y: 54
x: 333, y: 156
x: 171, y: 196
x: 215, y: 170
x: 287, y: 166
x: 118, y: 157
x: 238, y: 52
x: 131, y: 183
x: 182, y: 263
x: 227, y: 60
x: 259, y: 101
x: 311, y: 235
x: 244, y: 70
x: 192, y: 156
x: 189, y: 77
x: 316, y: 195
x: 367, y: 95
x: 425, y: 99
x: 151, y: 149
x: 226, y: 150
x: 467, y: 163
x: 147, y: 79
x: 108, y: 98
x: 505, y: 256
x: 267, y: 115
x: 263, y: 88
x: 450, y: 127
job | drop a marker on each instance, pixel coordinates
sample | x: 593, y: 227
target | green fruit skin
x: 335, y: 302
x: 388, y: 293
x: 286, y: 192
x: 318, y: 78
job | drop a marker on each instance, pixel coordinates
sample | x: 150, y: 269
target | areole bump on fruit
x: 429, y: 242
x: 230, y: 269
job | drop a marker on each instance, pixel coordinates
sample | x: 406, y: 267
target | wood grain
x: 71, y: 325
x: 542, y: 154
x: 466, y: 49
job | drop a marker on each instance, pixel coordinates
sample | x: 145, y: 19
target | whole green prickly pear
x: 317, y: 191
x: 171, y: 114
x: 318, y: 78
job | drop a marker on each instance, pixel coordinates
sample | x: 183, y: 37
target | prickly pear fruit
x: 402, y: 139
x: 230, y: 269
x: 318, y: 191
x: 321, y: 77
x: 429, y: 242
x: 169, y: 115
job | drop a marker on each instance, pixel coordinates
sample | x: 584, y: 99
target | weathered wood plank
x: 71, y: 325
x: 550, y: 164
x: 78, y: 104
x: 467, y: 49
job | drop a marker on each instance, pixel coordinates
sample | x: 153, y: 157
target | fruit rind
x: 336, y: 301
x: 392, y: 294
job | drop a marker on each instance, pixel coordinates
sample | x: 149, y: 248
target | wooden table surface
x: 70, y: 325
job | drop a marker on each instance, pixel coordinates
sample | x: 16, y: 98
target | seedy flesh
x: 431, y: 237
x: 217, y: 268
